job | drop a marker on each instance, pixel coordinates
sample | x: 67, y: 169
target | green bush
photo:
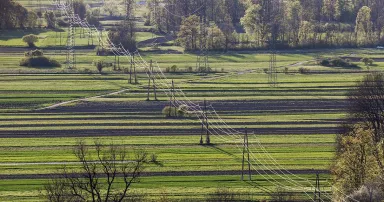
x: 180, y: 112
x: 168, y: 110
x: 35, y: 53
x: 337, y: 62
x: 99, y: 64
x: 174, y: 68
x: 40, y: 61
x: 325, y: 62
x: 367, y: 61
x: 303, y: 70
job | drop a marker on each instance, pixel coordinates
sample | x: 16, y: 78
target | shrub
x: 367, y: 61
x: 304, y: 70
x: 100, y: 65
x: 174, y: 68
x: 325, y: 62
x: 30, y: 39
x: 181, y: 111
x: 35, y: 53
x: 338, y: 62
x: 286, y: 70
x: 40, y: 61
x: 168, y: 110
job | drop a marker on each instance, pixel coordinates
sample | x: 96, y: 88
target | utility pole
x: 246, y: 149
x: 56, y: 50
x: 153, y: 82
x: 118, y: 63
x: 151, y: 77
x: 149, y: 84
x: 202, y: 128
x: 101, y: 38
x: 171, y: 99
x: 130, y: 68
x: 317, y: 196
x: 203, y: 119
x: 207, y: 139
x: 115, y: 62
x: 134, y: 70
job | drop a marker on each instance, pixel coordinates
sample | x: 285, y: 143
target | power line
x: 121, y: 51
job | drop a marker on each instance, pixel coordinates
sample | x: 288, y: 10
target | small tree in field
x: 367, y: 61
x: 107, y: 174
x: 30, y: 39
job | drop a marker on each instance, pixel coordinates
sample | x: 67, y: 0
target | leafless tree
x: 97, y: 180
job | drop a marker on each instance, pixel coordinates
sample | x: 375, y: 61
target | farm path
x: 82, y: 99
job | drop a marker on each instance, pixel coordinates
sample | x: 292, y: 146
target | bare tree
x: 97, y: 180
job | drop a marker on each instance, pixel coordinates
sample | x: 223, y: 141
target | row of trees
x: 295, y: 23
x: 315, y: 23
x: 168, y: 15
x: 13, y: 15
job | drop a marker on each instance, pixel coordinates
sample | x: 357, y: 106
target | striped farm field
x: 292, y: 127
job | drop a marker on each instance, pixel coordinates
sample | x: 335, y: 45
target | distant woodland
x: 229, y: 24
x: 255, y: 23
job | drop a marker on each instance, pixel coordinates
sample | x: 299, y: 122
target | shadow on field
x: 263, y: 188
x: 19, y: 33
x: 213, y: 146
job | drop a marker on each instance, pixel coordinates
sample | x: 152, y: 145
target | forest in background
x: 250, y: 24
x: 228, y: 24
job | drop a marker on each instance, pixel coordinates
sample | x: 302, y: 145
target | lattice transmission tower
x: 202, y: 62
x: 273, y: 11
x: 71, y: 54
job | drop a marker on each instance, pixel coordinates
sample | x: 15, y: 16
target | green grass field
x: 26, y: 150
x: 292, y: 126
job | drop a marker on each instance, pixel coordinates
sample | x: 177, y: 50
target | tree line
x: 257, y: 23
x: 14, y: 15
